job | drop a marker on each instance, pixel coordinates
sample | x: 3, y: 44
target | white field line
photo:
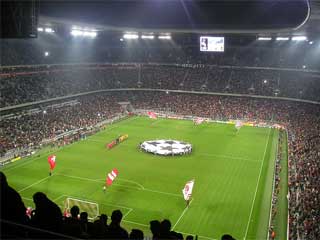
x: 115, y: 205
x: 41, y: 180
x: 255, y: 193
x: 116, y: 184
x: 130, y: 210
x: 136, y: 223
x: 228, y: 156
x: 29, y: 199
x: 184, y: 211
x: 126, y: 180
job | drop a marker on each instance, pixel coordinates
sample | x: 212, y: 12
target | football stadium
x: 160, y: 120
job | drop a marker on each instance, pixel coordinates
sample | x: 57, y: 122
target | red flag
x: 152, y: 115
x: 52, y: 161
x: 111, y: 176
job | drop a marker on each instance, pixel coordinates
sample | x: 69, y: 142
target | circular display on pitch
x: 166, y: 147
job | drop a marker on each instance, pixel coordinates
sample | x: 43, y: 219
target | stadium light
x: 130, y: 36
x: 165, y: 37
x: 304, y: 66
x: 282, y: 38
x: 40, y: 29
x: 49, y: 30
x: 76, y: 32
x: 311, y: 42
x: 299, y: 38
x: 90, y: 34
x: 147, y: 37
x: 46, y: 54
x: 264, y: 38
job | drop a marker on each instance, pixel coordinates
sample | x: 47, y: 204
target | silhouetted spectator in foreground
x: 115, y: 231
x: 12, y: 209
x: 72, y: 224
x: 165, y: 227
x: 176, y: 235
x: 101, y: 227
x: 47, y: 214
x: 85, y: 225
x: 227, y: 237
x: 155, y: 229
x: 136, y: 234
x: 190, y: 237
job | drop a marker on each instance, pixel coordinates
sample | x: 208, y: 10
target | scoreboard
x: 211, y: 44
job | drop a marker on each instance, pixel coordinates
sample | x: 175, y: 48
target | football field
x: 233, y: 175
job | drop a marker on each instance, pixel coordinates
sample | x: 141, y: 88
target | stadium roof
x: 310, y: 27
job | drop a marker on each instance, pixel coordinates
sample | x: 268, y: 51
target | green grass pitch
x: 233, y: 176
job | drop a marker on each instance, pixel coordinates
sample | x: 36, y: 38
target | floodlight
x: 130, y: 36
x: 282, y: 38
x: 46, y: 54
x: 165, y: 37
x: 264, y: 38
x: 311, y: 42
x: 76, y: 32
x: 40, y: 29
x: 49, y: 30
x: 299, y: 38
x: 147, y: 37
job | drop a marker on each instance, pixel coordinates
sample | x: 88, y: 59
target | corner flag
x: 187, y: 191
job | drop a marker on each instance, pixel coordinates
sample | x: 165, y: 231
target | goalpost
x: 92, y: 208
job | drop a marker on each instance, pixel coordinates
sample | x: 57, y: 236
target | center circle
x: 166, y: 147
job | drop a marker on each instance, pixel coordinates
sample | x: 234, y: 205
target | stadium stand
x: 27, y: 77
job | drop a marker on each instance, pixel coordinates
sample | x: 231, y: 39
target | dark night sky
x: 181, y: 13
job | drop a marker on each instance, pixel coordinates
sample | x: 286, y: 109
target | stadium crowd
x: 29, y: 84
x: 301, y: 120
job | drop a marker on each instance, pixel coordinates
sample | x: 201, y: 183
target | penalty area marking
x: 258, y: 181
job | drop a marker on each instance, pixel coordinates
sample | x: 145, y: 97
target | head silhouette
x: 227, y: 237
x: 3, y: 180
x: 116, y: 216
x: 75, y: 211
x: 40, y: 199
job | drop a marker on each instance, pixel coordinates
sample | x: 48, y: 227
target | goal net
x: 92, y: 208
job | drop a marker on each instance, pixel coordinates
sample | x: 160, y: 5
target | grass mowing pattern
x: 232, y: 171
